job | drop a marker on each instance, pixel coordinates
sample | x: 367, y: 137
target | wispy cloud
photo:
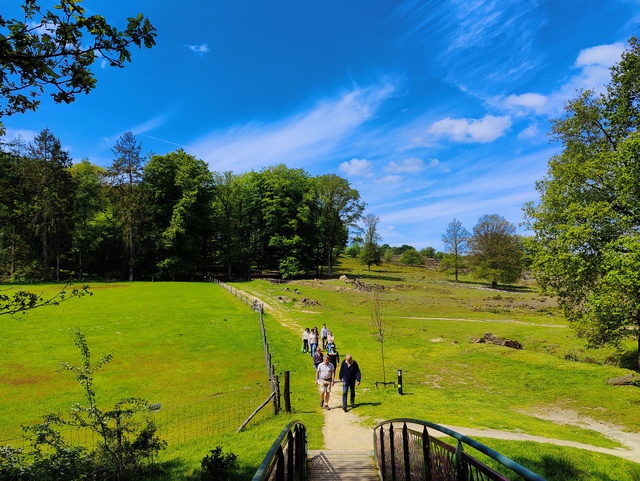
x: 140, y: 129
x: 593, y: 73
x: 201, y: 49
x: 412, y: 164
x: 302, y: 137
x: 486, y: 129
x: 456, y: 33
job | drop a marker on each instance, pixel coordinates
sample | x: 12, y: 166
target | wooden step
x: 328, y: 465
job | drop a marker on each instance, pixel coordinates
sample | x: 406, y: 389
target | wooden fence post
x: 287, y: 396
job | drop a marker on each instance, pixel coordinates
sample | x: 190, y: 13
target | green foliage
x: 586, y: 225
x: 496, y: 254
x: 370, y: 254
x: 456, y: 244
x: 126, y: 433
x: 218, y: 466
x: 56, y: 48
x: 428, y: 252
x: 353, y: 251
x: 411, y: 257
x: 388, y: 255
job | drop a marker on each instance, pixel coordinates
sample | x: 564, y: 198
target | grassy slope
x: 447, y: 378
x: 175, y: 343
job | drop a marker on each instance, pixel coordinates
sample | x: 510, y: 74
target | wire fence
x: 222, y: 413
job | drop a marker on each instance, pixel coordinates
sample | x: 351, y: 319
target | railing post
x: 392, y: 453
x: 280, y: 465
x: 460, y: 471
x: 291, y: 467
x: 405, y: 452
x: 426, y: 453
x: 383, y: 468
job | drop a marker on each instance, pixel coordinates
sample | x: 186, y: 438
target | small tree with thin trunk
x: 378, y: 325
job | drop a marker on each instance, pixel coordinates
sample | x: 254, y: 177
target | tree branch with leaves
x: 54, y: 49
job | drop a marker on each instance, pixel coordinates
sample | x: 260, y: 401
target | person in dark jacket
x: 349, y: 375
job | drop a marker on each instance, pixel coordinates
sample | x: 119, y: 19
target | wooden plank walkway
x: 328, y: 465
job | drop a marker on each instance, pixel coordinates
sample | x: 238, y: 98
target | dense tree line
x: 166, y: 217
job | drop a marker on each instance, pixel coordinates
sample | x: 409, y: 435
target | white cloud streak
x: 304, y: 137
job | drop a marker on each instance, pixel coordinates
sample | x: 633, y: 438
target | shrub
x: 218, y: 466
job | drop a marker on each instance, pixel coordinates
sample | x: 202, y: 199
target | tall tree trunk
x: 45, y: 254
x: 130, y: 253
x: 638, y: 358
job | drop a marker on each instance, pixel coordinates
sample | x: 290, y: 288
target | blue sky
x: 433, y: 110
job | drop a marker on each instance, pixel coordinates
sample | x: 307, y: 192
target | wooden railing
x: 287, y: 458
x: 408, y: 454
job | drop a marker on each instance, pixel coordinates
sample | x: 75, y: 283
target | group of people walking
x: 325, y: 366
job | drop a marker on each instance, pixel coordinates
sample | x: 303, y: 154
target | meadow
x: 187, y: 345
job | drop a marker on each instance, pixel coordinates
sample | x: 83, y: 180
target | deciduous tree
x: 495, y: 250
x: 456, y: 245
x: 370, y: 253
x: 585, y: 247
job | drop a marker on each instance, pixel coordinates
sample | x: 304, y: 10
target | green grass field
x: 189, y: 345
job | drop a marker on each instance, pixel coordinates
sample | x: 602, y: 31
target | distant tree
x: 495, y: 250
x: 411, y: 257
x: 54, y: 49
x: 125, y: 174
x: 370, y: 253
x: 586, y: 243
x: 179, y: 188
x: 456, y: 244
x: 428, y: 252
x: 403, y: 248
x: 49, y: 187
x: 388, y: 254
x: 353, y: 250
x: 88, y: 201
x: 339, y: 209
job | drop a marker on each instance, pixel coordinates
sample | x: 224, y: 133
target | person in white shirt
x: 325, y: 378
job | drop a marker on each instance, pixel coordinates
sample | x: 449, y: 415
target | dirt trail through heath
x: 344, y: 431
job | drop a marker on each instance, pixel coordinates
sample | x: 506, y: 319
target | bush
x: 411, y: 257
x: 218, y: 466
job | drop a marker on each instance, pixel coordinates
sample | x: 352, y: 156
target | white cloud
x: 198, y: 49
x: 357, y: 168
x: 594, y: 74
x: 524, y: 103
x: 602, y: 55
x: 412, y: 164
x: 303, y: 137
x: 486, y: 129
x: 530, y: 132
x: 389, y: 179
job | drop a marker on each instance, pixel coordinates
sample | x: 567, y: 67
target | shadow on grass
x: 629, y: 360
x: 560, y: 468
x: 500, y: 287
x: 177, y: 470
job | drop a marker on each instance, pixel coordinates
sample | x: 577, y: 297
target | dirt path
x: 343, y: 431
